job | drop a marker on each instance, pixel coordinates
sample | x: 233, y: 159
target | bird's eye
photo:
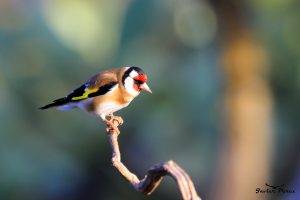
x: 138, y: 82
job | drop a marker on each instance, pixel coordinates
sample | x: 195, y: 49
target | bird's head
x: 134, y: 80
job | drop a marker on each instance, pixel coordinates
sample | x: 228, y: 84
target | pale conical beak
x: 146, y: 88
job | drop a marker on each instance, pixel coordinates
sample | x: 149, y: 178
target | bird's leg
x: 116, y: 118
x: 111, y: 126
x: 110, y: 122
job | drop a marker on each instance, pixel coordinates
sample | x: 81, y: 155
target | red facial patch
x: 142, y: 78
x: 136, y: 87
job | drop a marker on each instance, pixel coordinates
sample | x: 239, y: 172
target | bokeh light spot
x: 88, y: 27
x: 195, y: 24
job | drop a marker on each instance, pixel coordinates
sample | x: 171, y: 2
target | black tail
x: 57, y: 102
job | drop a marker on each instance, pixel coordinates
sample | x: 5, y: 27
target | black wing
x: 81, y: 93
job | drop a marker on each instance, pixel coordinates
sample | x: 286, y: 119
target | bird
x: 105, y: 93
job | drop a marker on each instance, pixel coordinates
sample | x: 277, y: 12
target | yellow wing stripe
x: 85, y: 94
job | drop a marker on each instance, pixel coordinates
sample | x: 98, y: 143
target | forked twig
x: 155, y: 174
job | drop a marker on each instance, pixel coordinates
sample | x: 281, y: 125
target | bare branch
x: 155, y: 174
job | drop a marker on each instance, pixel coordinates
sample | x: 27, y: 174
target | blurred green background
x: 225, y: 78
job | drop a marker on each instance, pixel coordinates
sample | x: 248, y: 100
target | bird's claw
x: 113, y: 123
x: 118, y: 119
x: 111, y: 127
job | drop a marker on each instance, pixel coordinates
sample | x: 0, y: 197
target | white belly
x: 107, y: 108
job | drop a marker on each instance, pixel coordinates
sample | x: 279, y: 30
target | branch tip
x: 155, y: 174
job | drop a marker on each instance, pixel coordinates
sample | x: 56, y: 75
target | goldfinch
x: 105, y: 93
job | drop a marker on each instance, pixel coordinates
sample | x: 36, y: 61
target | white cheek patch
x: 129, y: 86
